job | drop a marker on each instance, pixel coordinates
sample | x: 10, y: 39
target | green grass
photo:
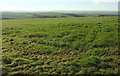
x: 87, y: 45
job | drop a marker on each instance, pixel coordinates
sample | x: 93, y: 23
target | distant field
x: 84, y: 45
x: 12, y: 15
x: 62, y: 14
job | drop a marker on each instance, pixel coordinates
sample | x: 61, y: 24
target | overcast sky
x: 48, y: 5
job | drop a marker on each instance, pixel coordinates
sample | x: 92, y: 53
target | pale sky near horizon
x: 48, y: 5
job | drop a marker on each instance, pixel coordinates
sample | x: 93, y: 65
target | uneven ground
x: 86, y: 45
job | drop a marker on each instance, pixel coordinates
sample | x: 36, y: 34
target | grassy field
x: 85, y: 45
